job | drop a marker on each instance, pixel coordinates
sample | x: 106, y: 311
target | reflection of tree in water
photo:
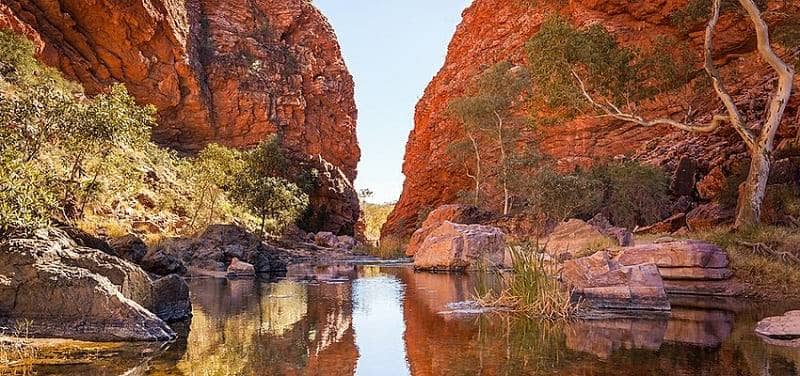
x: 247, y: 327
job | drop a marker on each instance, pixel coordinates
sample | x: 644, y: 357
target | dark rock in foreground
x: 60, y: 289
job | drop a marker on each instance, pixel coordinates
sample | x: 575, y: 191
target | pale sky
x: 393, y: 48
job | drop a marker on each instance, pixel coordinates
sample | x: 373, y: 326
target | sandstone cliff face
x: 230, y: 72
x: 497, y: 30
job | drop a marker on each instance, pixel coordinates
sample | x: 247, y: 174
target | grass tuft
x: 533, y: 288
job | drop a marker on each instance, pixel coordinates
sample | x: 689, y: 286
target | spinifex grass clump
x: 533, y: 288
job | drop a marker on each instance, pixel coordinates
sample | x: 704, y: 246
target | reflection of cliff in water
x: 246, y: 327
x: 698, y: 337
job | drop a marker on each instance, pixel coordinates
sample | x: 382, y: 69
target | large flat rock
x: 603, y: 283
x: 677, y: 254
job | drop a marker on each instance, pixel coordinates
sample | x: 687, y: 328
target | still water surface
x: 382, y: 320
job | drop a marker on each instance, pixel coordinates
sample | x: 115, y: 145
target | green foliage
x: 698, y: 11
x: 486, y: 113
x: 260, y: 188
x: 628, y: 193
x: 214, y: 171
x: 635, y: 193
x: 611, y: 71
x: 57, y: 143
x: 375, y: 216
x: 26, y: 194
x: 563, y: 196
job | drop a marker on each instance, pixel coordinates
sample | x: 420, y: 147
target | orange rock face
x: 497, y: 30
x: 218, y: 71
x: 229, y: 72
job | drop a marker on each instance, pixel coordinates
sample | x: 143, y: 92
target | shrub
x: 634, y: 193
x: 610, y: 70
x: 214, y: 171
x: 26, y: 195
x: 267, y: 196
x: 562, y: 196
x: 375, y: 216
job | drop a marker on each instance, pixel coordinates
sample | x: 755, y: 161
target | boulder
x: 461, y: 214
x: 326, y: 239
x: 576, y: 235
x: 69, y: 291
x: 683, y: 178
x: 240, y: 269
x: 699, y: 274
x: 130, y: 247
x: 667, y: 226
x: 169, y: 299
x: 710, y: 186
x: 705, y: 288
x: 603, y: 283
x: 346, y: 243
x: 676, y: 254
x: 455, y: 247
x: 157, y: 261
x: 785, y: 329
x: 708, y: 216
x: 687, y: 266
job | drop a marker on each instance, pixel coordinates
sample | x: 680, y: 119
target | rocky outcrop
x: 687, y: 267
x: 232, y: 73
x: 64, y: 290
x: 495, y: 30
x: 576, y: 236
x: 603, y: 283
x: 456, y: 247
x: 461, y: 214
x: 217, y: 247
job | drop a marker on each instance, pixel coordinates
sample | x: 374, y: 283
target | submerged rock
x: 459, y: 247
x: 604, y: 283
x: 781, y: 330
x: 64, y: 290
x: 170, y: 299
x: 240, y: 269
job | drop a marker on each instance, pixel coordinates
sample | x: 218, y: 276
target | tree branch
x: 613, y: 111
x: 785, y: 75
x: 733, y: 112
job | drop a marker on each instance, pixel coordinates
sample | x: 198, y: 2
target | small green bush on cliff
x: 621, y: 74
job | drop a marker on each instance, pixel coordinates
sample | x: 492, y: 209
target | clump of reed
x: 532, y: 288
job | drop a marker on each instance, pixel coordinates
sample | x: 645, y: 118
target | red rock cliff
x: 495, y: 30
x: 231, y: 72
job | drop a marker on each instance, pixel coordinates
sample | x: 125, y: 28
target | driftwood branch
x: 613, y: 111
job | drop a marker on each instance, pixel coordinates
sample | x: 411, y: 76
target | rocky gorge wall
x: 496, y: 30
x: 230, y: 72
